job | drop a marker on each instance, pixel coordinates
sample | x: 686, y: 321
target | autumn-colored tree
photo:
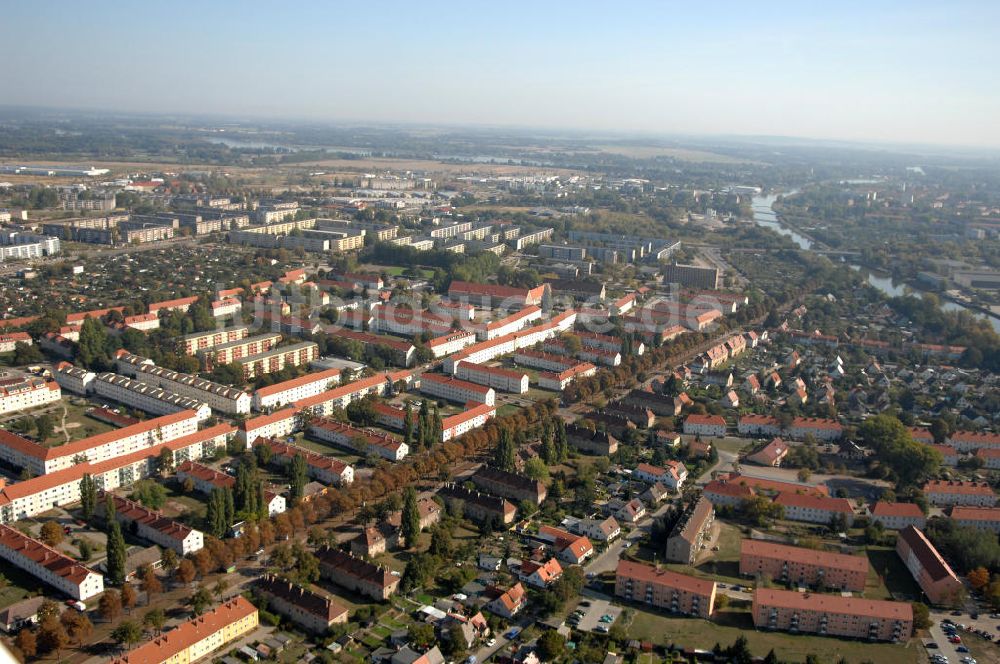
x: 185, y: 571
x: 52, y: 533
x: 203, y: 561
x: 78, y: 626
x: 151, y: 584
x: 110, y: 606
x: 129, y: 596
x: 978, y: 578
x: 52, y: 636
x: 26, y: 643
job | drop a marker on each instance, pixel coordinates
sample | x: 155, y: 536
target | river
x: 763, y: 215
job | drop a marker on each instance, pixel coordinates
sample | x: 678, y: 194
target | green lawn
x: 507, y: 409
x: 662, y: 629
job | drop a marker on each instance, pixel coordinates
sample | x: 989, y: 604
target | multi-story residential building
x: 146, y: 397
x: 663, y: 589
x: 454, y: 389
x: 362, y: 441
x: 726, y: 493
x: 571, y: 549
x: 403, y: 353
x: 326, y: 470
x: 957, y: 492
x: 535, y: 237
x: 226, y: 308
x: 690, y: 532
x: 450, y: 342
x: 40, y: 460
x: 276, y: 359
x: 478, y: 506
x: 759, y: 425
x: 74, y: 379
x: 896, y: 516
x: 802, y: 567
x: 600, y: 443
x: 980, y: 518
x: 814, y: 509
x: 546, y: 361
x: 39, y: 494
x: 990, y: 457
x: 511, y: 486
x: 48, y: 565
x: 509, y: 324
x: 152, y: 525
x: 323, y: 404
x: 970, y: 441
x: 198, y: 637
x: 9, y: 342
x: 671, y: 476
x: 24, y: 392
x: 190, y: 344
x: 658, y: 403
x: 296, y: 389
x: 484, y: 351
x: 219, y: 397
x: 231, y: 351
x: 181, y: 304
x: 310, y: 610
x: 557, y: 381
x: 818, y: 427
x: 705, y: 425
x: 934, y: 576
x: 355, y: 574
x: 562, y: 252
x: 278, y: 424
x: 832, y: 615
x: 489, y: 295
x: 474, y: 416
x: 494, y: 377
x: 691, y: 276
x: 204, y: 478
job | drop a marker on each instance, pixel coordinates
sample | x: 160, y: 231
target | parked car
x: 931, y: 646
x: 961, y: 649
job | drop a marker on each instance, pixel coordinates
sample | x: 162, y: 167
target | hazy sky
x: 889, y: 71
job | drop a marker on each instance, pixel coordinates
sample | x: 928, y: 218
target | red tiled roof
x: 909, y: 510
x: 328, y: 374
x: 798, y: 554
x: 663, y: 577
x: 835, y: 604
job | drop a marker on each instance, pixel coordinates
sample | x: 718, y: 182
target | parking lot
x: 592, y: 614
x: 968, y: 645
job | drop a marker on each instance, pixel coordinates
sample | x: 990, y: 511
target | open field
x: 426, y: 165
x: 683, y: 154
x: 693, y: 633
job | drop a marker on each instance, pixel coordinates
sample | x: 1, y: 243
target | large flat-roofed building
x: 198, y: 637
x: 832, y: 615
x: 231, y: 351
x: 691, y: 276
x: 48, y: 565
x: 802, y: 567
x: 689, y: 533
x: 934, y: 576
x: 276, y: 359
x: 663, y: 589
x: 192, y: 343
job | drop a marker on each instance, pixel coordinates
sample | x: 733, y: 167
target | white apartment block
x: 41, y: 460
x: 376, y: 443
x: 27, y: 392
x: 279, y: 424
x: 450, y: 343
x: 74, y: 379
x: 48, y: 565
x: 226, y: 308
x: 499, y: 379
x: 219, y: 397
x: 339, y: 397
x: 295, y: 389
x: 469, y: 419
x: 454, y: 389
x: 513, y: 323
x: 146, y: 397
x: 484, y: 351
x: 39, y: 494
x: 557, y: 382
x: 153, y: 526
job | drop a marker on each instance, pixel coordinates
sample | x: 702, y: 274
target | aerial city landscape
x: 335, y: 382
